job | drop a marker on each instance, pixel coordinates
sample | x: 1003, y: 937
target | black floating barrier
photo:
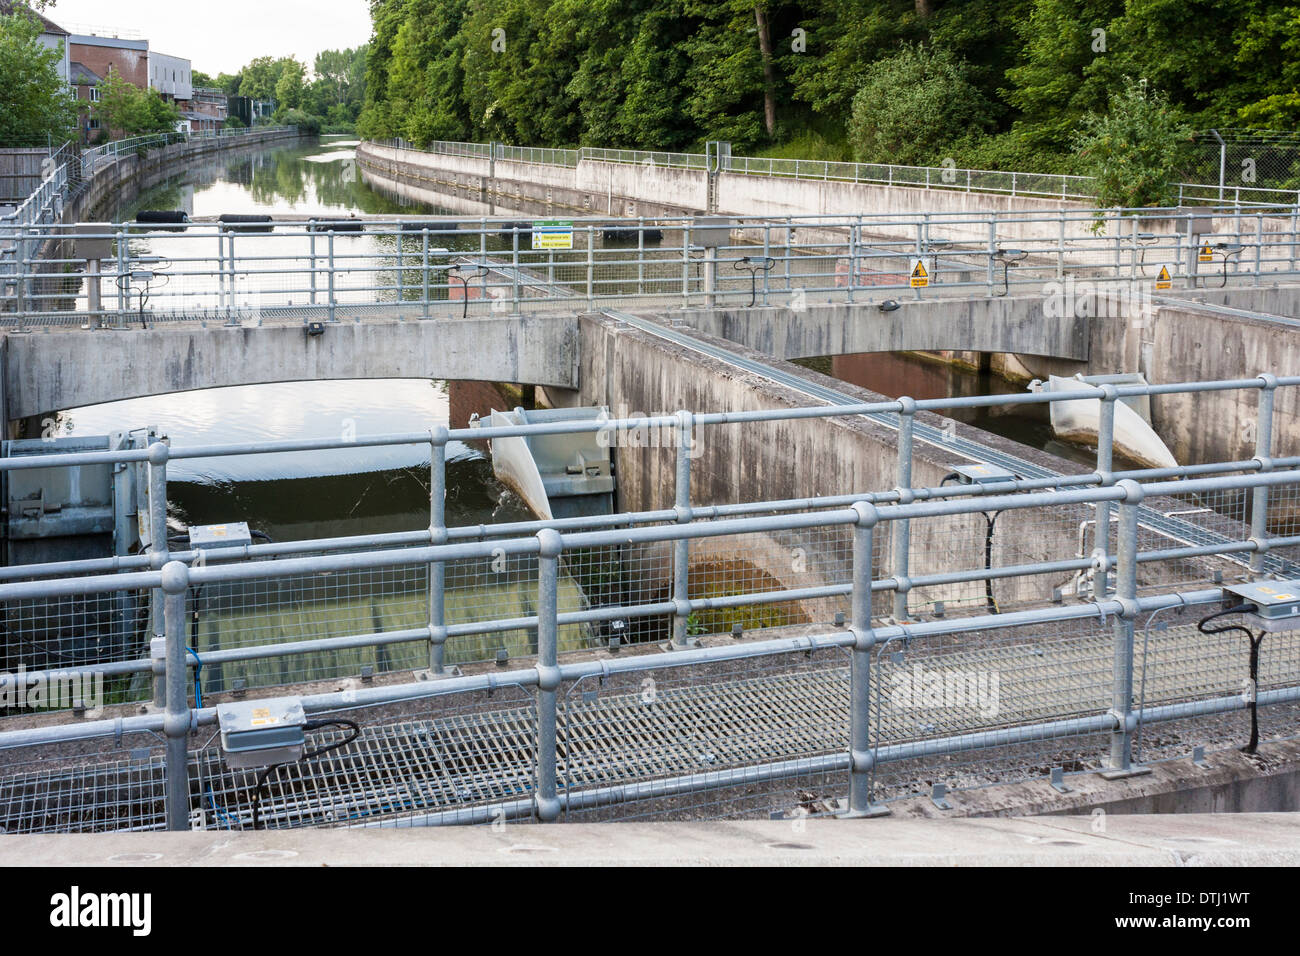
x: 246, y: 222
x: 336, y: 225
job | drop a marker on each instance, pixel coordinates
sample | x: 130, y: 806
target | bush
x: 914, y: 107
x: 234, y: 122
x: 305, y: 122
x: 1135, y: 148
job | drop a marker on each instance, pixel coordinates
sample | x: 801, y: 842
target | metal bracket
x: 1058, y: 780
x: 1198, y: 758
x: 939, y: 797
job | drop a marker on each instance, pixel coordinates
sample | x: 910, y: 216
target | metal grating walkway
x: 485, y: 757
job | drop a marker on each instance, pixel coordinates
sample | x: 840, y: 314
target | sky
x: 222, y: 37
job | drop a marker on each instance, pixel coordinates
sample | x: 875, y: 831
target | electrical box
x: 983, y: 474
x: 258, y: 733
x: 1276, y: 603
x: 205, y: 537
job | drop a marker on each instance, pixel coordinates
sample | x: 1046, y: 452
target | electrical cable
x: 310, y: 725
x: 1255, y: 641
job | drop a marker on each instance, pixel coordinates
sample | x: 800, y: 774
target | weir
x: 783, y: 595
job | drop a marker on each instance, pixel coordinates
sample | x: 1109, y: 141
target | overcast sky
x: 223, y: 36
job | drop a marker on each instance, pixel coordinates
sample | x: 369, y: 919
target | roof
x: 191, y: 115
x: 81, y: 75
x: 10, y: 7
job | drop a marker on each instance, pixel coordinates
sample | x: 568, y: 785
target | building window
x: 94, y: 94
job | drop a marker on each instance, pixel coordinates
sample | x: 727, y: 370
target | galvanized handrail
x: 229, y: 273
x: 1009, y: 182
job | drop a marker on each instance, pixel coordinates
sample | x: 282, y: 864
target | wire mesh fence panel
x: 990, y: 541
x: 88, y: 787
x: 729, y: 739
x: 815, y: 563
x: 71, y: 640
x: 299, y: 608
x: 503, y: 588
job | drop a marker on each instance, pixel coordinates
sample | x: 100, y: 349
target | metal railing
x: 24, y: 232
x: 318, y: 269
x: 1013, y: 183
x: 913, y: 567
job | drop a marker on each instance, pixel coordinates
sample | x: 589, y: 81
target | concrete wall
x: 50, y: 371
x: 627, y: 189
x: 635, y: 372
x: 1234, y: 334
x: 984, y: 324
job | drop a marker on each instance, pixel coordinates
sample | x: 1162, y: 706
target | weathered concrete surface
x: 1234, y: 334
x: 1261, y: 839
x: 56, y: 370
x: 634, y: 373
x: 982, y: 324
x: 636, y: 189
x: 1232, y: 782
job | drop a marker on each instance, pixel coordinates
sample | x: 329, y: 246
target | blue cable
x: 198, y: 672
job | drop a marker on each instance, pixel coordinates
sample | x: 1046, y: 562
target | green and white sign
x: 553, y: 234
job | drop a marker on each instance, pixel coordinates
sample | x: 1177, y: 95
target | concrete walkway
x: 1254, y: 839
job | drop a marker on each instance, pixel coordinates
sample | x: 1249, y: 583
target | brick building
x: 130, y: 58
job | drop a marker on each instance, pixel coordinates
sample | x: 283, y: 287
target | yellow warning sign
x: 920, y: 275
x: 1163, y: 280
x: 1206, y: 254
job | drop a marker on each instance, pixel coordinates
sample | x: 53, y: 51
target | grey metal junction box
x: 257, y: 733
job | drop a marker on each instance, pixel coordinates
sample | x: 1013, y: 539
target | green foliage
x: 914, y: 106
x: 990, y: 83
x: 35, y: 105
x: 306, y: 123
x: 127, y: 110
x: 1134, y: 148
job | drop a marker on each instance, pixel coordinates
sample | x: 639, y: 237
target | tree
x: 35, y: 104
x: 289, y: 86
x: 914, y: 107
x: 131, y: 111
x: 1134, y: 148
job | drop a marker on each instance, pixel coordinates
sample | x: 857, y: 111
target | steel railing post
x: 901, y: 532
x: 861, y: 755
x: 591, y: 266
x: 20, y: 287
x: 1105, y: 463
x: 1121, y: 739
x: 1263, y: 452
x: 437, y: 536
x: 993, y: 250
x: 640, y: 256
x: 921, y: 227
x: 332, y: 300
x: 547, y: 802
x: 424, y: 268
x: 1259, y: 245
x: 767, y: 257
x: 176, y: 721
x: 686, y: 264
x: 682, y: 547
x: 1060, y: 249
x: 159, y: 549
x: 401, y: 278
x: 311, y: 243
x: 232, y: 313
x: 853, y: 257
